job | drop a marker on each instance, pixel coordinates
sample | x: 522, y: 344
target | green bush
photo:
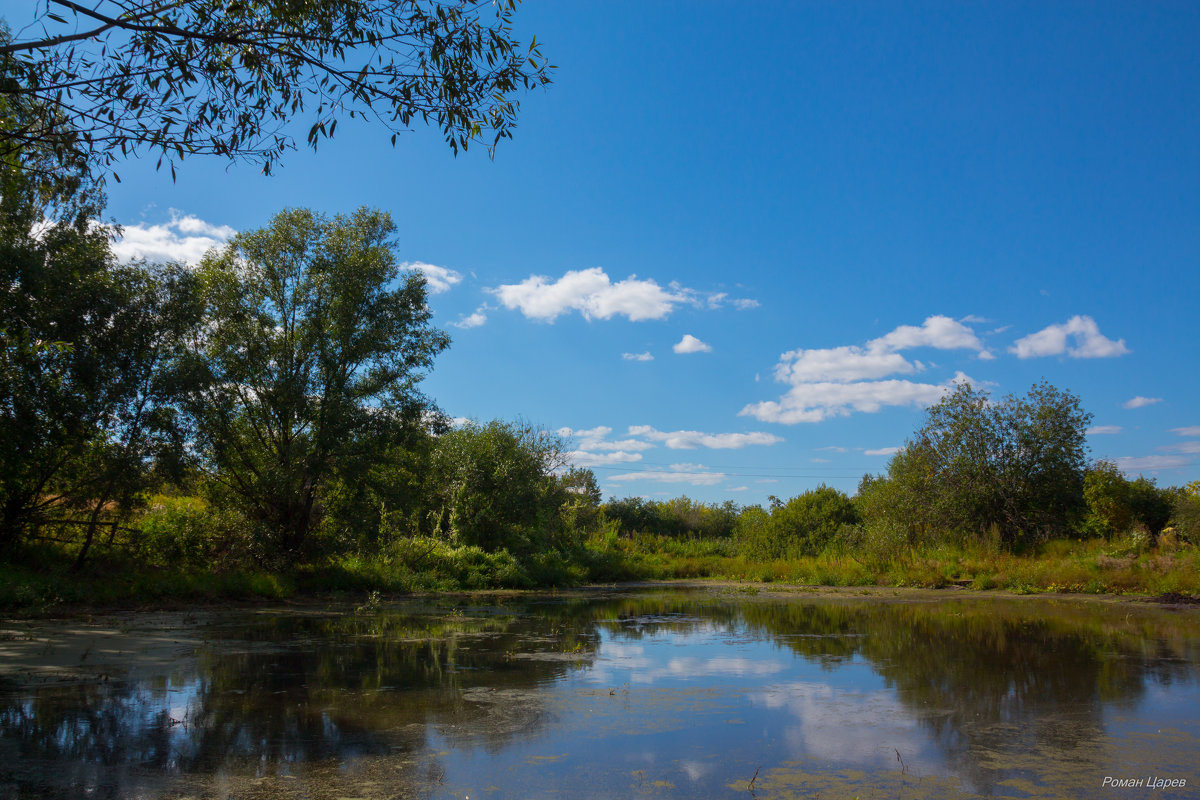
x: 803, y: 526
x: 186, y: 532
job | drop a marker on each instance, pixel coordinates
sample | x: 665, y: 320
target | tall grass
x: 40, y: 580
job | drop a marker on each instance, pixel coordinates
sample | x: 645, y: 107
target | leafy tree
x: 632, y: 514
x: 186, y: 77
x: 802, y: 526
x: 1185, y: 515
x: 313, y: 349
x: 1107, y: 495
x: 1015, y: 467
x: 582, y: 509
x: 496, y: 486
x: 86, y: 390
x: 1116, y: 504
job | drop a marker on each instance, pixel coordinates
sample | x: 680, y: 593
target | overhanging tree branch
x: 229, y: 78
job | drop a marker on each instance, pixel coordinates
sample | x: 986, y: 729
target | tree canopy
x: 312, y: 352
x: 186, y: 77
x: 1015, y: 466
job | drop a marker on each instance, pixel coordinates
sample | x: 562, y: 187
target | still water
x: 699, y: 692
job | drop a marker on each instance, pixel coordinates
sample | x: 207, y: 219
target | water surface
x: 643, y: 693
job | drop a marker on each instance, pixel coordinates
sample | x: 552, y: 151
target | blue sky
x: 737, y: 248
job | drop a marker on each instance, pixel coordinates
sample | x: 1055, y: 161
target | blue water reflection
x: 686, y: 693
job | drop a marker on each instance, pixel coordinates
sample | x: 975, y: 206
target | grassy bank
x: 40, y: 581
x: 1094, y: 566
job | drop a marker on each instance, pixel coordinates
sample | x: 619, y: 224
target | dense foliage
x: 310, y: 357
x: 1012, y: 468
x: 120, y: 77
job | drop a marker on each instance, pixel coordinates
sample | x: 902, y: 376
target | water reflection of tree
x: 985, y: 678
x: 985, y: 682
x: 283, y: 692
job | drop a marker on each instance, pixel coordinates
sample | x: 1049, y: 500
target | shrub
x: 801, y: 527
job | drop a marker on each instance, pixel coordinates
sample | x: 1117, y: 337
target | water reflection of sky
x: 653, y: 697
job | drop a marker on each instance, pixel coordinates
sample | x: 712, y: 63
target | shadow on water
x: 975, y: 697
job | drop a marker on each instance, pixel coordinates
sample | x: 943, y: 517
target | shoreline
x: 314, y: 600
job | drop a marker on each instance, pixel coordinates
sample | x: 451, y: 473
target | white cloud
x: 637, y: 356
x: 438, y: 279
x: 1184, y: 447
x: 692, y: 478
x: 833, y: 448
x: 1137, y: 463
x: 837, y: 381
x: 1190, y: 430
x: 737, y: 488
x: 745, y: 303
x: 1083, y: 331
x: 690, y: 344
x: 880, y: 357
x: 840, y: 364
x: 592, y: 294
x: 185, y: 238
x: 1141, y: 402
x: 477, y: 318
x: 689, y: 440
x: 937, y: 331
x: 820, y: 460
x: 815, y: 402
x: 583, y: 458
x: 596, y: 439
x: 1103, y: 429
x: 882, y: 451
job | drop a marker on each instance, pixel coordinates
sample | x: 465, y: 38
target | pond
x: 646, y: 692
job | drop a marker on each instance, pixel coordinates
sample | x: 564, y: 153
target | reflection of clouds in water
x: 864, y: 728
x: 639, y: 668
x: 694, y: 769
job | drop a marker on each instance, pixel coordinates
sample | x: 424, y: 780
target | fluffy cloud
x: 689, y: 440
x: 637, y: 356
x: 594, y: 447
x: 1103, y: 429
x: 839, y: 364
x: 595, y: 439
x: 690, y: 344
x: 185, y: 238
x: 837, y: 381
x: 592, y: 294
x: 477, y: 318
x: 1191, y: 430
x: 1141, y: 402
x: 882, y: 451
x: 815, y: 402
x: 1184, y: 447
x: 583, y: 458
x: 663, y: 476
x: 880, y: 357
x: 1138, y: 463
x: 1082, y: 331
x: 437, y: 279
x: 745, y: 303
x: 939, y: 332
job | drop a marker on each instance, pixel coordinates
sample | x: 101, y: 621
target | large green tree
x: 1014, y: 466
x: 497, y: 486
x: 312, y: 353
x: 87, y: 387
x: 227, y: 77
